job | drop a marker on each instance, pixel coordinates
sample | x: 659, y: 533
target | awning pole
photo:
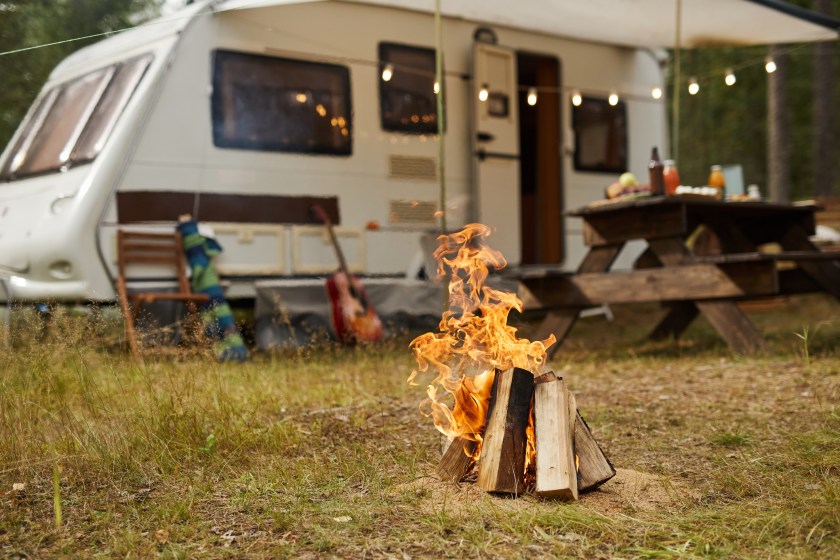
x: 675, y: 120
x: 440, y: 124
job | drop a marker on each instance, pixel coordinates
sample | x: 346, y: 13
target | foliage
x: 31, y: 23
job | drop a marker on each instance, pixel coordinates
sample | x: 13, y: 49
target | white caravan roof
x: 636, y: 23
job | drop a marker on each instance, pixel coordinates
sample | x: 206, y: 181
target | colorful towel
x: 216, y: 315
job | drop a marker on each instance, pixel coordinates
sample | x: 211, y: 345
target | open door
x: 540, y: 141
x: 496, y: 143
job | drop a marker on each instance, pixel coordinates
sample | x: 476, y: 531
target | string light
x: 693, y: 86
x: 576, y: 98
x: 436, y: 87
x: 532, y: 96
x: 656, y: 92
x: 613, y: 99
x: 483, y: 94
x: 769, y: 64
x: 388, y: 72
x: 730, y: 77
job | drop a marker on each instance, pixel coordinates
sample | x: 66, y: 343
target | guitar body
x: 353, y: 316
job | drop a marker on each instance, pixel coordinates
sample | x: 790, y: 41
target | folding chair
x: 137, y: 248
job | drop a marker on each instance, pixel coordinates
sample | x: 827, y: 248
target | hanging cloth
x: 216, y: 315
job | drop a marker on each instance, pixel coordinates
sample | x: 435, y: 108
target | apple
x: 627, y: 179
x: 614, y: 190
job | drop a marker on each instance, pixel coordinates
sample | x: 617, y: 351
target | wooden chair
x: 138, y: 248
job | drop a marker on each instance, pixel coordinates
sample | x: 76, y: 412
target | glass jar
x: 717, y: 181
x: 671, y: 177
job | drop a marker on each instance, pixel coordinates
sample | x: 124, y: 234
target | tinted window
x: 103, y: 120
x: 407, y: 89
x: 600, y: 136
x: 73, y: 120
x: 278, y: 104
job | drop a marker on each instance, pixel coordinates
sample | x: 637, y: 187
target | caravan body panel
x: 385, y: 191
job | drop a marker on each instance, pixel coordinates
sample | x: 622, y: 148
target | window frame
x: 419, y: 128
x: 217, y: 116
x: 20, y: 156
x: 620, y: 107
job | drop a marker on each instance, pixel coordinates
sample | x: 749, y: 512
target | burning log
x: 457, y: 459
x: 502, y: 465
x: 484, y: 397
x: 594, y: 468
x: 554, y: 414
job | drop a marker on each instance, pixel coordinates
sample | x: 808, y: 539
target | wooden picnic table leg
x: 733, y: 325
x: 560, y: 321
x: 679, y: 317
x: 725, y: 316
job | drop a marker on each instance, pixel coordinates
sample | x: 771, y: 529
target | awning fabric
x: 636, y: 23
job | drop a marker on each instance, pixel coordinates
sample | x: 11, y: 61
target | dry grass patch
x: 322, y: 453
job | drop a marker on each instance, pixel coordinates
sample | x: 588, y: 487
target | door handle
x: 485, y: 137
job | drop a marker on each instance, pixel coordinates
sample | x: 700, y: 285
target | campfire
x: 510, y: 422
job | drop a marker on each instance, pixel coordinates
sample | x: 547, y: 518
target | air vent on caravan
x: 412, y: 212
x: 412, y: 167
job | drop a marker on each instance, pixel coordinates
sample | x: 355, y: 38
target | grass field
x: 323, y: 452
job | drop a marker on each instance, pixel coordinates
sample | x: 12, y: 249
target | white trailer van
x: 246, y: 113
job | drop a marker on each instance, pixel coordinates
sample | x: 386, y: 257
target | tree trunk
x: 778, y: 137
x: 825, y: 139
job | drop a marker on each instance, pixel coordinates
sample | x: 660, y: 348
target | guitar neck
x: 342, y: 263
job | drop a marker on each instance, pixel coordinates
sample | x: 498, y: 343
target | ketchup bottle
x: 671, y: 177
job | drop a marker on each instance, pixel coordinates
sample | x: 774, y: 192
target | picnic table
x: 674, y: 272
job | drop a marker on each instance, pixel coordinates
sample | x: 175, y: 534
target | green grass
x: 322, y: 452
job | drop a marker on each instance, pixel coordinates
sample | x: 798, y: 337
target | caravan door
x: 496, y: 146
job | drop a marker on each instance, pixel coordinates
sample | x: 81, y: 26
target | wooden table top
x: 698, y: 204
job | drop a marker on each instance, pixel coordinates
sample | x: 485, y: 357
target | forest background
x: 720, y: 125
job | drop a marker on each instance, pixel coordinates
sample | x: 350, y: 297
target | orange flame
x: 474, y: 339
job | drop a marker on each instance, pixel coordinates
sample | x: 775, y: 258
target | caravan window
x: 600, y: 136
x: 72, y: 121
x: 278, y: 104
x: 407, y: 89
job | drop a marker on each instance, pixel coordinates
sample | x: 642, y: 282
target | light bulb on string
x: 576, y: 98
x: 483, y: 94
x: 730, y: 77
x: 656, y: 92
x: 613, y: 99
x: 532, y: 96
x: 436, y: 87
x: 387, y: 72
x: 693, y: 86
x: 769, y: 64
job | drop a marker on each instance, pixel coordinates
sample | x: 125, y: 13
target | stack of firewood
x: 566, y: 460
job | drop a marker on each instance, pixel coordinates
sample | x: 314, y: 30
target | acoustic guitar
x: 353, y: 316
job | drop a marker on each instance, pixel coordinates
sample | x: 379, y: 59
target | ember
x: 499, y: 422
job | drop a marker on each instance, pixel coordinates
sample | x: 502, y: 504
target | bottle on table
x: 655, y: 168
x: 718, y: 182
x: 671, y: 177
